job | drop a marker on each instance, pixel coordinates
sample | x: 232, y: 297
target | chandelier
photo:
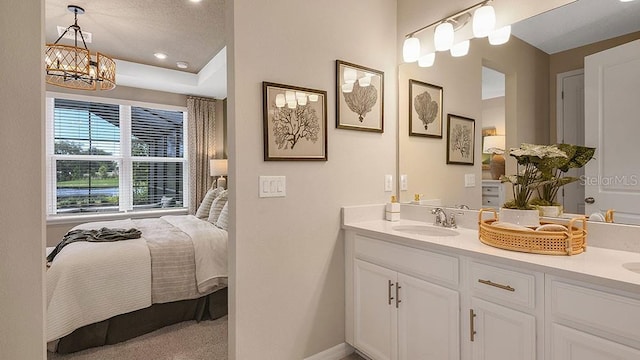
x: 73, y: 67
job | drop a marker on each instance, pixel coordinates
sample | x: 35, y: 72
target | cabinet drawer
x: 490, y: 201
x: 502, y: 285
x: 490, y: 190
x: 599, y: 310
x: 419, y: 263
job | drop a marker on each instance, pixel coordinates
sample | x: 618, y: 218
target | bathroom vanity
x: 415, y: 291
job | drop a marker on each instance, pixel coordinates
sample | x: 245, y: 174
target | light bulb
x: 443, y: 36
x: 427, y: 60
x: 484, y: 21
x: 411, y: 49
x: 280, y: 100
x: 460, y: 49
x: 500, y: 36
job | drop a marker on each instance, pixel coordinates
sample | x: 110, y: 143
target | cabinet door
x: 571, y: 344
x: 501, y: 333
x: 375, y: 311
x: 428, y: 320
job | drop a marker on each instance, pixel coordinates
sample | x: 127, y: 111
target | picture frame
x: 307, y: 110
x: 359, y: 97
x: 425, y: 109
x: 460, y: 140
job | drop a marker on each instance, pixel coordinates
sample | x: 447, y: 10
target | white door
x: 501, y: 333
x: 571, y: 344
x: 375, y: 311
x: 612, y: 126
x: 428, y: 320
x: 571, y: 131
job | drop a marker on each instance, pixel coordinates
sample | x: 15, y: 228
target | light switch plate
x: 272, y: 186
x: 388, y: 182
x: 469, y: 180
x: 404, y: 180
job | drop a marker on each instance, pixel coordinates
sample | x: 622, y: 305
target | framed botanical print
x: 359, y: 100
x: 460, y: 140
x: 295, y: 123
x: 425, y: 109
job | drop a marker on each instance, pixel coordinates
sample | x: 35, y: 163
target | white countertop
x: 596, y: 265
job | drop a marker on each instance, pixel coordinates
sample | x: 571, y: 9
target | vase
x: 496, y: 166
x: 528, y: 218
x: 550, y: 211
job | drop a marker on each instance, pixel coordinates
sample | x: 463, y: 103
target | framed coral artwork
x: 425, y: 109
x: 460, y: 139
x: 295, y: 123
x: 359, y: 100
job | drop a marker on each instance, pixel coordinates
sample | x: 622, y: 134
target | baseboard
x: 335, y: 353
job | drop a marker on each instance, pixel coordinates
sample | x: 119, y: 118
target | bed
x: 101, y: 293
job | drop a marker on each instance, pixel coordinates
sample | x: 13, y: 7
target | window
x: 114, y: 157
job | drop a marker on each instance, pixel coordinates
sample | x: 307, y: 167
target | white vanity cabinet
x: 503, y: 312
x: 401, y: 302
x: 587, y: 322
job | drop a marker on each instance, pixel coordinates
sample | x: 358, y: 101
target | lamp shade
x: 427, y: 60
x: 493, y: 144
x: 443, y: 36
x: 411, y: 49
x: 218, y: 167
x: 460, y: 49
x: 500, y: 36
x: 484, y: 20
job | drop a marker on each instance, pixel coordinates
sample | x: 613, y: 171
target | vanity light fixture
x: 500, y: 36
x: 460, y: 49
x: 483, y: 22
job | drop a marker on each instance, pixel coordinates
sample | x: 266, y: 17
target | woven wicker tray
x: 571, y: 242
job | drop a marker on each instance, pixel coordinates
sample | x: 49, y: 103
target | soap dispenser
x: 392, y: 212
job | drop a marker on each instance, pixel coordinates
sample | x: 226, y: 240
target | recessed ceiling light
x: 160, y: 55
x: 626, y: 0
x: 182, y: 64
x: 195, y: 1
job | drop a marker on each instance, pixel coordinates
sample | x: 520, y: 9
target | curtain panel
x: 202, y: 147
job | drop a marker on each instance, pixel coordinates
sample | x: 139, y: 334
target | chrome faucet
x: 442, y: 220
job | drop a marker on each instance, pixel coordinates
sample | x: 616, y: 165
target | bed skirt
x: 127, y: 326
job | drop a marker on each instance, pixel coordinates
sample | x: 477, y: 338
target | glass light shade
x: 460, y: 49
x: 443, y: 36
x: 500, y: 36
x: 484, y: 21
x: 350, y: 75
x: 290, y: 96
x: 411, y: 49
x: 347, y: 88
x: 280, y: 100
x: 292, y: 104
x: 364, y: 81
x: 302, y: 101
x: 313, y: 97
x: 427, y: 60
x: 493, y: 144
x: 217, y: 167
x: 300, y: 95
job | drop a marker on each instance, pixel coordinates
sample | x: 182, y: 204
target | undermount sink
x: 425, y: 230
x: 635, y: 267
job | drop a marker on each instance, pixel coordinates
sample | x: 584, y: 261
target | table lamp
x: 494, y: 144
x: 218, y: 167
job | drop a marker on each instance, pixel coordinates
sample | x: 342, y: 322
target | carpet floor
x: 189, y: 340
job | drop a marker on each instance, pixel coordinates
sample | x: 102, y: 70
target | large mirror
x: 543, y: 59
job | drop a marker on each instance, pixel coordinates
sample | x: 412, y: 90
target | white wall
x: 287, y: 257
x: 21, y: 181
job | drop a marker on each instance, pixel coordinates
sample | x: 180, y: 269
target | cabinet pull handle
x: 499, y: 286
x: 398, y: 301
x: 390, y: 297
x: 472, y: 330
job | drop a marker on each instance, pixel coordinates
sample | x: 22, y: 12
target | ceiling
x: 132, y: 31
x: 579, y: 23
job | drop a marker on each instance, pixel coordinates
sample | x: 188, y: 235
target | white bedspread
x: 86, y: 280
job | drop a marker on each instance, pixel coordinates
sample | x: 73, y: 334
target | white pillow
x: 205, y: 205
x: 223, y: 219
x: 216, y: 206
